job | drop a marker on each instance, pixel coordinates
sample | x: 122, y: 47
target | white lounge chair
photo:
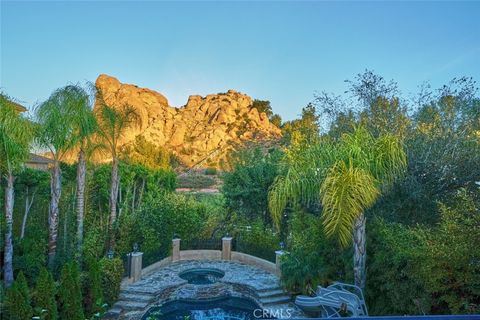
x: 356, y: 291
x: 332, y: 300
x: 327, y: 307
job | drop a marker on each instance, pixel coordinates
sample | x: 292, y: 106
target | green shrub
x: 195, y: 181
x: 70, y: 294
x: 145, y: 153
x: 415, y: 270
x: 94, y: 243
x: 246, y: 187
x: 312, y: 258
x: 111, y: 273
x: 258, y: 239
x: 30, y: 252
x: 393, y: 286
x: 215, y: 223
x: 449, y: 267
x: 92, y: 284
x: 44, y: 295
x: 17, y: 300
x: 163, y: 216
x: 211, y: 171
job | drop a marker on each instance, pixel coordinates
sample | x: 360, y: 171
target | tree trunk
x: 140, y: 195
x: 8, y: 253
x: 113, y: 201
x: 28, y: 206
x: 134, y: 194
x: 81, y: 174
x: 359, y: 251
x: 55, y: 193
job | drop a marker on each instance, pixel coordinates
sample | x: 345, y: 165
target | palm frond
x: 345, y: 193
x: 16, y: 134
x: 65, y: 120
x: 113, y: 121
x: 346, y: 177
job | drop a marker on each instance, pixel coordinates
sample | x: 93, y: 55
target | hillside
x: 200, y: 133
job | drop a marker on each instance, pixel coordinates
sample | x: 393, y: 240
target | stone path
x: 164, y: 284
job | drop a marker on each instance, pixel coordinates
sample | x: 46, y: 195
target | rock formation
x: 200, y: 133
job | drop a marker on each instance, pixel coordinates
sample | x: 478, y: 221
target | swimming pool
x: 226, y: 308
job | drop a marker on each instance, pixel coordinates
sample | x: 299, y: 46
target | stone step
x: 146, y: 291
x: 271, y: 293
x: 269, y: 289
x: 275, y: 300
x: 113, y: 313
x: 130, y: 305
x: 138, y: 297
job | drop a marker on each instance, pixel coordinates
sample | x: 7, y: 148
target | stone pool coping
x: 155, y: 281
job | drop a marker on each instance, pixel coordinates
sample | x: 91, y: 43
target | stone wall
x: 254, y: 261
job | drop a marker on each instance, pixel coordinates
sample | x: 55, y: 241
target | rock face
x: 202, y: 132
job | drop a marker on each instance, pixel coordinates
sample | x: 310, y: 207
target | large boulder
x: 202, y: 131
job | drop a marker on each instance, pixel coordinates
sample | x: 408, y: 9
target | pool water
x: 227, y: 308
x: 202, y: 275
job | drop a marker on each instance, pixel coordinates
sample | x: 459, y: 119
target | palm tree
x: 58, y: 133
x: 84, y: 125
x: 346, y: 178
x: 113, y: 121
x: 16, y: 135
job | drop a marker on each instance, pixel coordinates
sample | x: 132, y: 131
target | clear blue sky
x: 280, y: 51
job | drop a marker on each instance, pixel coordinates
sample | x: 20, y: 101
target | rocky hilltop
x: 200, y: 133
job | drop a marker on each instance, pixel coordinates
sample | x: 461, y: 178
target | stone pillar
x: 227, y: 248
x: 136, y: 266
x: 175, y: 249
x: 278, y: 262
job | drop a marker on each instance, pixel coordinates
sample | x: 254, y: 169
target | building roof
x: 35, y: 158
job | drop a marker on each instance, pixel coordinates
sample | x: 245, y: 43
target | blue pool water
x: 229, y: 308
x: 201, y: 275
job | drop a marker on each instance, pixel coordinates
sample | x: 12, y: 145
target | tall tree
x: 57, y: 133
x: 113, y: 121
x: 17, y: 300
x: 85, y: 125
x: 345, y: 178
x: 70, y: 293
x: 44, y: 295
x: 263, y: 106
x: 16, y: 134
x: 246, y: 186
x: 304, y: 130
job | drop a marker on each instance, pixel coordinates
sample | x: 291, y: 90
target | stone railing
x: 137, y: 271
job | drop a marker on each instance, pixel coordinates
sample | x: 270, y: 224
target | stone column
x: 175, y: 249
x: 278, y: 262
x: 136, y: 266
x: 227, y: 248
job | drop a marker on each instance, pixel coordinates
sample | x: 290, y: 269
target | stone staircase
x: 130, y: 300
x: 273, y: 296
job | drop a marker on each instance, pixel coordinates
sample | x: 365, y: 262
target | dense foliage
x: 246, y: 187
x: 44, y: 296
x: 422, y: 222
x: 17, y: 300
x: 421, y: 230
x: 70, y: 294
